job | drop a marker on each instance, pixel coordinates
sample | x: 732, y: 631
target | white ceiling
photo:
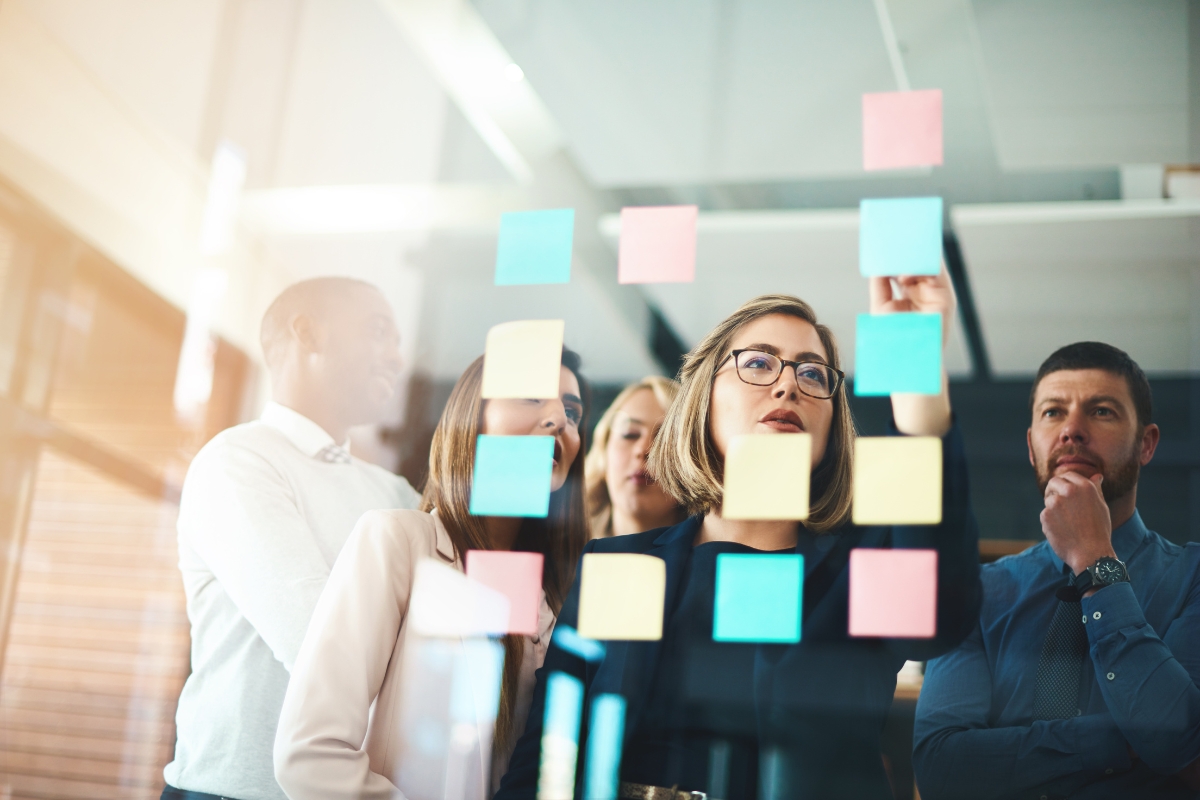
x: 1046, y: 275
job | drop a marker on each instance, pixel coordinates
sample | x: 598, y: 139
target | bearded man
x: 1082, y: 678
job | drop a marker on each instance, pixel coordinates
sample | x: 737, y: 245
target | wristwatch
x: 1105, y: 572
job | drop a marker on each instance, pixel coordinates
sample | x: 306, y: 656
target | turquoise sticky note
x: 901, y: 236
x: 569, y: 639
x: 535, y: 247
x: 512, y: 476
x: 898, y: 353
x: 606, y: 739
x: 758, y: 598
x: 560, y: 736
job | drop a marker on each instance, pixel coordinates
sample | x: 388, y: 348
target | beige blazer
x: 342, y: 732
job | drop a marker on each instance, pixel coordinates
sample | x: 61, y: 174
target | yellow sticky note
x: 767, y: 476
x: 897, y: 480
x: 621, y: 596
x: 523, y: 359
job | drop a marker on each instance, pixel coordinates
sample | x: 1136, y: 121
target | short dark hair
x: 1098, y: 355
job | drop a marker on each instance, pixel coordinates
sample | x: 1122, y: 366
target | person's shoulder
x: 393, y: 482
x: 629, y: 543
x: 1007, y: 577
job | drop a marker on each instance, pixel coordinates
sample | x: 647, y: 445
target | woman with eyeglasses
x: 345, y: 731
x: 747, y: 720
x: 622, y: 496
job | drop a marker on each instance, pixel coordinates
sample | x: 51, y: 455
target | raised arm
x: 318, y: 745
x: 957, y: 755
x: 240, y: 516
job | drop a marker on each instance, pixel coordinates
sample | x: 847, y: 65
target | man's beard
x: 1118, y: 481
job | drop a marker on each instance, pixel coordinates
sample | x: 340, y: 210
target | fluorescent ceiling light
x: 225, y: 182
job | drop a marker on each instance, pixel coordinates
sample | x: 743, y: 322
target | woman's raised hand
x: 923, y: 294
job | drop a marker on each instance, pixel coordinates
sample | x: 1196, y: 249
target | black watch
x: 1105, y: 572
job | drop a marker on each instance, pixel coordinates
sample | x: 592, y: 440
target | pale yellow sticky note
x: 767, y: 476
x: 621, y: 596
x: 898, y: 480
x: 523, y: 359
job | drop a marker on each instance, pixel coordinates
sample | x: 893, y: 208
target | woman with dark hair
x: 758, y: 719
x: 339, y: 733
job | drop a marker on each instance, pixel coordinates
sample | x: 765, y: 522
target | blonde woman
x: 763, y: 719
x: 341, y: 733
x: 622, y: 496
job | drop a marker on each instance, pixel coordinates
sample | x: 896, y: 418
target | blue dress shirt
x: 975, y: 735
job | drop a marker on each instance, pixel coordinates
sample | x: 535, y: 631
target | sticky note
x: 658, y: 245
x: 512, y: 476
x: 606, y: 739
x: 517, y: 576
x: 900, y: 236
x: 535, y: 247
x: 621, y: 596
x: 758, y: 598
x: 523, y: 359
x: 569, y: 639
x: 897, y: 480
x: 898, y: 353
x: 445, y: 602
x: 893, y: 593
x: 560, y: 737
x: 449, y: 695
x: 767, y: 476
x: 902, y: 129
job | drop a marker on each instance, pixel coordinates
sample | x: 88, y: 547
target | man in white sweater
x: 266, y: 508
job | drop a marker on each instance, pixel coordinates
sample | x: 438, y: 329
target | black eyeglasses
x: 814, y: 378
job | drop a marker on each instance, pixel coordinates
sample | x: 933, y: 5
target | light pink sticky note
x: 902, y: 129
x: 658, y: 244
x: 893, y: 593
x: 517, y: 576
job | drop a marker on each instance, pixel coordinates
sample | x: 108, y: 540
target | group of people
x: 1069, y: 670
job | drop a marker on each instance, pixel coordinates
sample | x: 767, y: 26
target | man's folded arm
x: 957, y: 755
x: 240, y: 516
x: 1148, y: 683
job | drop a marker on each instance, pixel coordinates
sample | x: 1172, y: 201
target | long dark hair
x: 560, y: 537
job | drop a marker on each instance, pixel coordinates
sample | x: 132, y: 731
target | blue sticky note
x: 901, y: 236
x: 758, y: 598
x: 569, y: 639
x: 535, y: 247
x: 560, y: 736
x: 512, y: 476
x: 606, y: 739
x: 898, y: 353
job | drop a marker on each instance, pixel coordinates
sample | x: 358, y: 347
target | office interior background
x: 168, y: 166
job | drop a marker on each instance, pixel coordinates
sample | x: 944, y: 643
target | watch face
x: 1109, y: 570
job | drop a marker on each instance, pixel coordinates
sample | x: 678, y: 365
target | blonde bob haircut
x: 684, y: 460
x: 595, y: 468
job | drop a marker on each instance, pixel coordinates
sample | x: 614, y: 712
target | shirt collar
x: 1125, y: 540
x: 308, y: 437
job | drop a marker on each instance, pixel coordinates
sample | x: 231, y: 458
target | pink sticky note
x: 517, y: 576
x: 893, y: 593
x: 658, y: 245
x: 902, y: 129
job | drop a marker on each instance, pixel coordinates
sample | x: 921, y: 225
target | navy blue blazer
x: 821, y: 702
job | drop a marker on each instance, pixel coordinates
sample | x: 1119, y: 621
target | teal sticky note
x: 898, y: 353
x: 606, y: 740
x: 535, y: 247
x: 560, y: 736
x: 900, y: 236
x: 758, y: 598
x: 512, y: 476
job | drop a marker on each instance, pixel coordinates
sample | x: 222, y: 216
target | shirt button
x: 1043, y: 797
x: 1095, y: 615
x: 537, y: 639
x: 1085, y: 619
x: 1108, y: 771
x: 1111, y: 675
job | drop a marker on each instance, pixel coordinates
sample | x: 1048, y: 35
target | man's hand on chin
x: 1076, y: 520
